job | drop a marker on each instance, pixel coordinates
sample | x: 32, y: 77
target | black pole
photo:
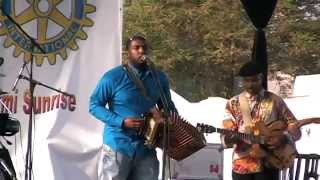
x: 29, y: 162
x: 260, y: 12
x: 165, y: 104
x: 260, y: 55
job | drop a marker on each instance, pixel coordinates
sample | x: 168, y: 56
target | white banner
x: 82, y: 40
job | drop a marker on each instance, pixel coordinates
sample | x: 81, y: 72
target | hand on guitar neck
x: 230, y: 138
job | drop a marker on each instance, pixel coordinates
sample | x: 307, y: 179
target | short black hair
x: 250, y: 68
x: 136, y: 37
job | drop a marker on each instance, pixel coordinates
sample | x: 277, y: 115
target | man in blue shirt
x: 119, y: 102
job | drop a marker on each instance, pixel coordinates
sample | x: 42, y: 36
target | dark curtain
x: 260, y: 12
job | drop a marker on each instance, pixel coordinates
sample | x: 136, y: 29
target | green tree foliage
x: 202, y: 43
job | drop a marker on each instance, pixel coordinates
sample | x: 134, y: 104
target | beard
x: 253, y: 90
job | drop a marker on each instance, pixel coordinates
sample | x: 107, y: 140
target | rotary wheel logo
x: 54, y: 24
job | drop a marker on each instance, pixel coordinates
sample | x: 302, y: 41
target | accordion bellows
x: 183, y: 138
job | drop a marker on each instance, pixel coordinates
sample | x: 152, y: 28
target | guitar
x: 295, y: 126
x: 205, y: 128
x: 280, y: 156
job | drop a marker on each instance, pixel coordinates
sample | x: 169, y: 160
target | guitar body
x: 257, y: 151
x: 277, y: 152
x: 281, y: 157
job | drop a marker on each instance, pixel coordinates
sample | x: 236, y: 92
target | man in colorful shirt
x: 246, y: 111
x: 125, y: 156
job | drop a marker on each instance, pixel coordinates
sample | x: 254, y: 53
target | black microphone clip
x: 1, y: 61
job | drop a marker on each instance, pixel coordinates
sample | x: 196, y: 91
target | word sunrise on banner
x: 42, y: 104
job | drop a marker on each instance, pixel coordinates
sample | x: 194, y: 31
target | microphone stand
x: 165, y: 104
x: 32, y: 85
x: 44, y: 85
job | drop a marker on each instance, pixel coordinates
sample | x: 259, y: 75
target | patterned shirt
x: 266, y: 107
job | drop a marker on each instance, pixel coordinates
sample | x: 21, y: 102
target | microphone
x: 3, y: 92
x: 1, y: 60
x: 146, y: 59
x: 19, y: 76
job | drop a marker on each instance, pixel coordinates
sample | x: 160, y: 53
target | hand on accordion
x: 134, y: 123
x: 182, y: 139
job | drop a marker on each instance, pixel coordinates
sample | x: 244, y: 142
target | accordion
x: 183, y: 138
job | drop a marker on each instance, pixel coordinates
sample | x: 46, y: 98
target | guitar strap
x: 137, y: 81
x: 246, y: 112
x: 266, y: 107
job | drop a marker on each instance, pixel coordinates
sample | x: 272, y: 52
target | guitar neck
x: 308, y: 121
x: 242, y: 136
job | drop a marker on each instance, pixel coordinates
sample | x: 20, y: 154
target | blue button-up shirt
x: 116, y: 98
